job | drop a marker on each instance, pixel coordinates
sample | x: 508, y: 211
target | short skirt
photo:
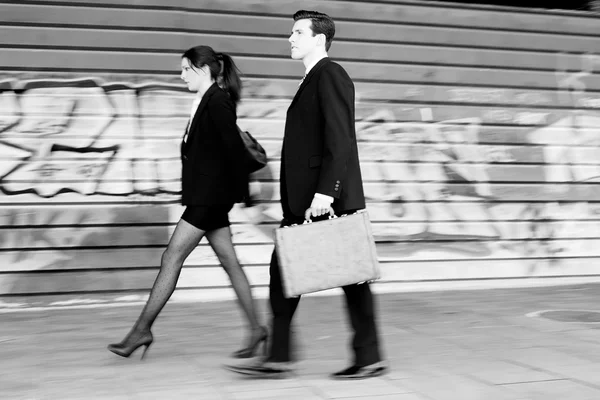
x: 207, y: 218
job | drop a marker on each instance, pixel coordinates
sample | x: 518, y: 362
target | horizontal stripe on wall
x: 375, y: 191
x: 124, y: 132
x: 430, y: 168
x: 71, y: 117
x: 495, y: 163
x: 417, y: 251
x: 140, y: 42
x: 159, y: 63
x: 414, y: 12
x: 93, y: 281
x: 117, y: 97
x: 166, y: 192
x: 200, y: 22
x: 118, y: 237
x: 415, y: 213
x: 72, y: 171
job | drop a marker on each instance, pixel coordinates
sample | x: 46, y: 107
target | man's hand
x: 318, y: 207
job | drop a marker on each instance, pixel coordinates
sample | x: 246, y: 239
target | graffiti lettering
x: 498, y: 155
x: 77, y: 138
x: 91, y: 138
x: 588, y: 102
x: 572, y: 85
x: 89, y: 170
x: 456, y: 166
x: 502, y: 116
x: 479, y: 95
x: 531, y: 118
x: 47, y: 170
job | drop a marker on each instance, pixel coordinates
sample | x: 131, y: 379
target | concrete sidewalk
x: 455, y: 345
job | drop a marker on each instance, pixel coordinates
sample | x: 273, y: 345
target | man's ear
x: 321, y: 39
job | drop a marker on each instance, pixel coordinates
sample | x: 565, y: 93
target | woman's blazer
x: 212, y: 172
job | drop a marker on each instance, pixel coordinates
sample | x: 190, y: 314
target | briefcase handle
x: 331, y: 215
x: 309, y: 220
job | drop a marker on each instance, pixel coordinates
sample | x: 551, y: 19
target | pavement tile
x: 500, y: 372
x: 395, y: 396
x: 79, y: 396
x: 457, y: 387
x: 559, y: 390
x: 245, y: 384
x: 180, y: 392
x: 455, y: 345
x: 584, y: 350
x: 81, y: 389
x: 410, y: 372
x: 268, y: 393
x: 589, y: 334
x: 331, y: 389
x: 477, y: 341
x: 588, y: 374
x: 18, y: 392
x: 542, y: 358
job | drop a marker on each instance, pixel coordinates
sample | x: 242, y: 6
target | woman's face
x: 191, y: 75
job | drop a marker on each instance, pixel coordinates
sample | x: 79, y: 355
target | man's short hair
x: 320, y: 23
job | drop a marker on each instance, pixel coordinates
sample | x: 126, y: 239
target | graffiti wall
x: 478, y: 129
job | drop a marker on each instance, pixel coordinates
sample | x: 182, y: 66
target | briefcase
x: 326, y: 254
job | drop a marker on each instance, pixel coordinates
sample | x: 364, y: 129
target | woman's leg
x: 185, y: 238
x: 220, y: 241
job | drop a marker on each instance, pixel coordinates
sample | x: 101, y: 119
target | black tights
x: 185, y: 238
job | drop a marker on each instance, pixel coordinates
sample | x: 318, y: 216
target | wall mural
x: 544, y: 174
x: 501, y: 172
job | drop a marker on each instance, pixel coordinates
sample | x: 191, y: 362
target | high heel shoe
x: 249, y: 351
x: 125, y: 350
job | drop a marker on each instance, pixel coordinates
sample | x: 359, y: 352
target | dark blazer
x: 320, y: 153
x: 211, y: 169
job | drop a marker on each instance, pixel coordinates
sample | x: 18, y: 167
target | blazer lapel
x: 311, y: 73
x: 209, y: 92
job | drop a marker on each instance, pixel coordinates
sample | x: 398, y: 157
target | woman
x: 213, y: 179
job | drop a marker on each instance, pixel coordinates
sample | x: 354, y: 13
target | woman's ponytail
x: 231, y: 83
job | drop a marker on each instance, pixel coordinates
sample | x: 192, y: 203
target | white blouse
x: 195, y: 105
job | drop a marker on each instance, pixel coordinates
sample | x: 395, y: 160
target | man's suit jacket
x: 320, y: 153
x: 211, y: 156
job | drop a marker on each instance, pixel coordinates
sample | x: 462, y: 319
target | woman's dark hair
x: 222, y: 68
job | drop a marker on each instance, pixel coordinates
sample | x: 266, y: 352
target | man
x: 319, y: 169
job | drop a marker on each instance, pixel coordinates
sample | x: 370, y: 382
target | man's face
x: 302, y: 40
